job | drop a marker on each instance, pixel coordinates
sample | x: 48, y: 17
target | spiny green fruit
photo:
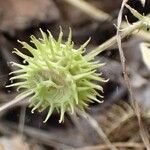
x: 59, y: 76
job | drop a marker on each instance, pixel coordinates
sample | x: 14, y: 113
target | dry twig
x: 97, y: 128
x: 127, y: 80
x: 90, y: 10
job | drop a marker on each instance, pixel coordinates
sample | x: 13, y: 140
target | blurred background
x: 114, y: 121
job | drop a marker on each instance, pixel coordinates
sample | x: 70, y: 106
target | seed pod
x: 60, y: 77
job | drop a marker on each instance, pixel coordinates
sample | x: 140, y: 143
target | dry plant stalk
x: 127, y: 80
x: 90, y: 10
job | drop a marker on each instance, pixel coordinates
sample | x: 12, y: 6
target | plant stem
x: 113, y: 40
x: 97, y: 128
x: 90, y: 10
x: 14, y: 101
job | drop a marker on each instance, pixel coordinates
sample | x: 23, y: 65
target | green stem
x: 113, y: 40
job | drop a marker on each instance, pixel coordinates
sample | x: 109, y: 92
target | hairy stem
x: 113, y: 40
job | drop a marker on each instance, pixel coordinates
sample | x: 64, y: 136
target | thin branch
x: 127, y: 80
x: 22, y: 120
x: 128, y: 31
x: 97, y: 128
x: 90, y: 10
x: 14, y: 101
